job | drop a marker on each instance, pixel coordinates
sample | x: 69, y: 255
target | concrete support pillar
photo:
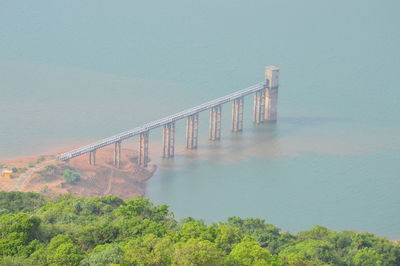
x: 237, y: 114
x: 215, y: 123
x: 143, y: 149
x: 117, y: 154
x: 192, y: 125
x: 165, y: 141
x: 211, y: 124
x: 241, y: 107
x: 271, y: 96
x: 168, y: 145
x: 92, y: 157
x: 171, y: 151
x: 259, y: 106
x: 218, y: 123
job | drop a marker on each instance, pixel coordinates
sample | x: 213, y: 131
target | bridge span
x: 264, y: 109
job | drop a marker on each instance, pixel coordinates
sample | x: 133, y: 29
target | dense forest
x: 70, y: 230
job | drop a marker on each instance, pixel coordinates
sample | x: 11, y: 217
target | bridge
x: 264, y: 109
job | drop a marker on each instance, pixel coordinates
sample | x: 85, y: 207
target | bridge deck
x: 160, y: 122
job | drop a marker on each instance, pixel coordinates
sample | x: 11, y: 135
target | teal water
x: 71, y: 73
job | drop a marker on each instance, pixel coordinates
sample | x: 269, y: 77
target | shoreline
x: 47, y: 176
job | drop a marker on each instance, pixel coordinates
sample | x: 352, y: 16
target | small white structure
x: 6, y: 173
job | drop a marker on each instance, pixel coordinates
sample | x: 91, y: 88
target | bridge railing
x: 161, y: 122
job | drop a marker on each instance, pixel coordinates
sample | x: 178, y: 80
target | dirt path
x: 109, y: 185
x: 30, y: 172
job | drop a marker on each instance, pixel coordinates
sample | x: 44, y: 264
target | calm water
x: 71, y: 73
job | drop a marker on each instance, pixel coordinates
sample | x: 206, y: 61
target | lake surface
x: 71, y: 73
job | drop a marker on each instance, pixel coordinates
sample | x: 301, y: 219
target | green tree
x: 143, y: 208
x: 249, y: 253
x: 268, y: 235
x: 296, y: 259
x: 136, y: 227
x: 60, y: 251
x: 367, y: 257
x: 15, y: 261
x: 227, y: 237
x: 97, y: 233
x: 316, y: 233
x: 148, y: 250
x: 16, y: 233
x: 196, y: 229
x: 21, y: 201
x: 44, y: 230
x: 390, y: 253
x: 197, y: 252
x: 104, y: 255
x: 318, y: 251
x: 58, y: 212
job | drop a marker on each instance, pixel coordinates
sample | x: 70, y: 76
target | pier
x: 264, y: 109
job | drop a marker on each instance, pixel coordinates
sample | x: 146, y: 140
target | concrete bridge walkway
x: 264, y: 109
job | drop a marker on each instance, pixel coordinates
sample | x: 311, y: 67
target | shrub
x: 41, y: 159
x: 22, y: 170
x: 14, y: 169
x: 71, y: 177
x: 51, y: 168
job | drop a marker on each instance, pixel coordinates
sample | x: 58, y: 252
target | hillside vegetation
x: 70, y: 230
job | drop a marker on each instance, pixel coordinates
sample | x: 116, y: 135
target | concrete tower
x: 271, y: 95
